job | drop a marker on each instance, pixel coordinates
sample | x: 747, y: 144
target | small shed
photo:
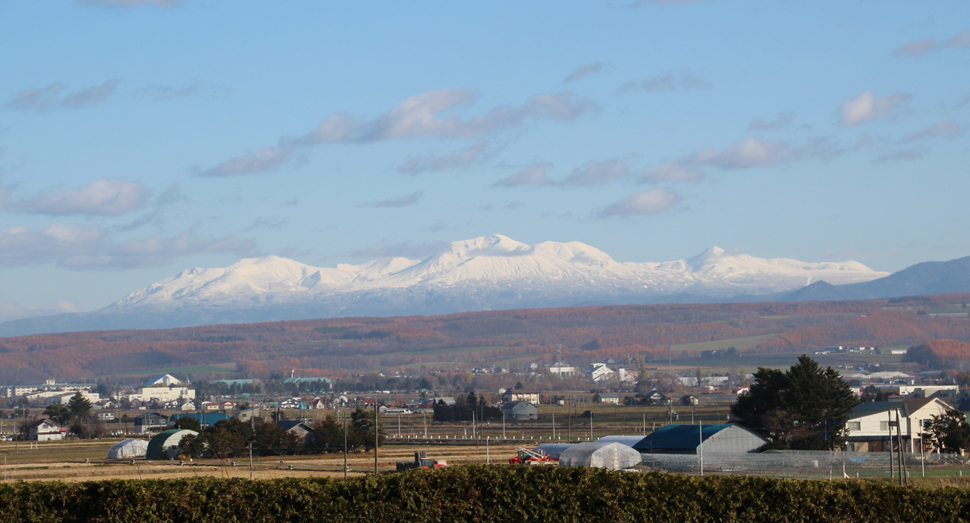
x: 302, y: 430
x: 600, y: 454
x: 520, y: 410
x: 165, y: 444
x: 725, y: 438
x: 128, y: 449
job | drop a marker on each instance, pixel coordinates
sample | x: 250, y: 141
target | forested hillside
x: 642, y: 332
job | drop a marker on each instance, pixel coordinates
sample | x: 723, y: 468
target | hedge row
x: 481, y: 493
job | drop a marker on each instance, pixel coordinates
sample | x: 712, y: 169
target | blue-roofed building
x: 206, y: 419
x: 725, y: 438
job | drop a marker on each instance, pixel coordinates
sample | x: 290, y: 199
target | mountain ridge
x: 489, y: 272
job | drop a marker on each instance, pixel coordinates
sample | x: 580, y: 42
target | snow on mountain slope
x: 488, y: 272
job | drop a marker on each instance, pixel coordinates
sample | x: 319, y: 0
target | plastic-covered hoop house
x: 127, y: 449
x: 601, y: 454
x: 165, y: 444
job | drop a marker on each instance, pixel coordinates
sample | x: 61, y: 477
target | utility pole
x: 902, y: 459
x: 345, y: 447
x: 250, y: 461
x: 922, y: 462
x: 700, y: 446
x: 553, y: 424
x: 890, y: 427
x: 376, y: 414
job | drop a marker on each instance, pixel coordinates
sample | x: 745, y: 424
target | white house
x: 869, y: 423
x: 612, y: 399
x: 46, y: 430
x: 626, y: 376
x: 563, y: 371
x: 65, y: 398
x: 599, y: 372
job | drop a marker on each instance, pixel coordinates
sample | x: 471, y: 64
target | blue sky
x: 140, y: 138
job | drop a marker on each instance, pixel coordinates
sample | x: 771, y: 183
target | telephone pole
x: 376, y: 440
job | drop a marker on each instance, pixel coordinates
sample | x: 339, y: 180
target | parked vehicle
x: 421, y: 461
x: 532, y: 457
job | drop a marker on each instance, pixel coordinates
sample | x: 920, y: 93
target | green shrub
x: 481, y: 494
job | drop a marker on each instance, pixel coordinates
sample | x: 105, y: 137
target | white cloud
x: 921, y: 47
x: 158, y: 249
x: 264, y: 160
x: 584, y: 71
x: 400, y: 201
x: 91, y: 96
x: 130, y: 3
x: 91, y: 247
x: 595, y: 172
x: 12, y: 311
x: 21, y: 246
x: 49, y: 97
x: 534, y: 174
x: 867, y: 107
x: 672, y: 172
x: 473, y: 154
x: 670, y: 81
x: 750, y: 152
x: 425, y: 115
x: 946, y: 129
x: 654, y: 201
x: 103, y: 197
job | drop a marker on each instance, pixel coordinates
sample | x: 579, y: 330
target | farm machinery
x: 532, y: 457
x: 421, y: 461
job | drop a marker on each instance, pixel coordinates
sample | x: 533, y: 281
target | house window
x: 855, y: 425
x: 883, y: 425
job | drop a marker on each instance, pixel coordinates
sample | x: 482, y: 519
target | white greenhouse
x: 128, y: 449
x: 600, y: 454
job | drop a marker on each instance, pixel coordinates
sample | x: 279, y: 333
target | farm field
x: 513, y: 338
x: 738, y: 343
x: 83, y: 461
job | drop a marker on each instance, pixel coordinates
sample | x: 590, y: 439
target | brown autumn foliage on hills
x: 941, y: 354
x: 585, y: 333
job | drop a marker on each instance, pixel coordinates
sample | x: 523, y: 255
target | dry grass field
x: 85, y: 461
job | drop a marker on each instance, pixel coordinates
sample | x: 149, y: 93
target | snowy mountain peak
x: 710, y: 256
x: 492, y: 271
x: 491, y: 245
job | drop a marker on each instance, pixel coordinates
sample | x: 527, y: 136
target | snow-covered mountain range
x: 491, y: 272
